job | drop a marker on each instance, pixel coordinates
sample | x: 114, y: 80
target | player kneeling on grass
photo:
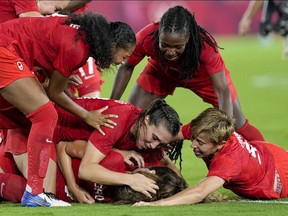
x: 254, y: 170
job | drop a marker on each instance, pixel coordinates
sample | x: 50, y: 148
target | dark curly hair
x: 102, y: 36
x: 168, y: 181
x: 180, y: 21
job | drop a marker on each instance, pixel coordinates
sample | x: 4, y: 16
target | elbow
x: 82, y: 174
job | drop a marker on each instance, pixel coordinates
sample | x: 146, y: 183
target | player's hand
x: 132, y: 158
x: 96, y: 119
x: 74, y: 80
x: 82, y: 196
x: 142, y: 184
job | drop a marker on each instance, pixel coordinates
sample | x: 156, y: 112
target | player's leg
x: 27, y: 95
x: 141, y: 98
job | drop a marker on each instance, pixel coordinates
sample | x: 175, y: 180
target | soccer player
x: 253, y: 170
x: 59, y: 45
x: 181, y: 54
x: 88, y: 81
x: 141, y: 131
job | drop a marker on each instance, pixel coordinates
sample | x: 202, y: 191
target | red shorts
x: 6, y: 159
x: 281, y: 163
x: 90, y: 77
x: 154, y: 80
x: 12, y: 67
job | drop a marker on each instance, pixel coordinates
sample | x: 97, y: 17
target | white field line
x: 269, y: 81
x: 260, y: 201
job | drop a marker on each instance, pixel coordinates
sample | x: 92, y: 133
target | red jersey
x: 248, y: 169
x: 45, y: 42
x: 211, y: 62
x: 10, y: 9
x: 71, y: 128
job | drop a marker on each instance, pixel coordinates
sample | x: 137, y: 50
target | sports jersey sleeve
x: 21, y: 6
x: 144, y: 44
x: 211, y: 60
x: 186, y: 131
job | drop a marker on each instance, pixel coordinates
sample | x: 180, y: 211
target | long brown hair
x: 168, y: 181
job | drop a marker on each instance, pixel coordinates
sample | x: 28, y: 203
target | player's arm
x: 245, y: 23
x: 56, y: 92
x: 190, y: 195
x: 91, y: 170
x: 121, y: 81
x: 30, y: 14
x: 64, y: 152
x: 74, y: 5
x: 222, y: 92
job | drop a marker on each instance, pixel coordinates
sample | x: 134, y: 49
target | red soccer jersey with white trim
x: 45, y: 42
x: 10, y: 9
x: 248, y: 169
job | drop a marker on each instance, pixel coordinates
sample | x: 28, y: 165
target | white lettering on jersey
x: 252, y: 150
x: 75, y: 26
x: 98, y: 192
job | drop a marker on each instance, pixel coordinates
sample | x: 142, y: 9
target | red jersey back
x: 70, y: 127
x: 247, y: 168
x: 45, y: 42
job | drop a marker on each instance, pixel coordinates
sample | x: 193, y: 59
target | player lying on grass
x: 254, y: 169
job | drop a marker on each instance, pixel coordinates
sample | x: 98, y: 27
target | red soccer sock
x: 12, y: 187
x: 250, y: 133
x: 44, y: 121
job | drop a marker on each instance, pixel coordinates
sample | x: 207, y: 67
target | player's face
x: 172, y: 45
x: 203, y: 147
x: 48, y: 7
x: 120, y: 55
x: 151, y: 136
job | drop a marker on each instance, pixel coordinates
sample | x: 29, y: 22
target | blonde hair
x: 215, y: 123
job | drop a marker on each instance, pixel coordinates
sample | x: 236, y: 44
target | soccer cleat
x: 42, y: 200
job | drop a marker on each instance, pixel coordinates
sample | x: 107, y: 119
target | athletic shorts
x: 12, y: 67
x: 281, y: 163
x: 156, y: 81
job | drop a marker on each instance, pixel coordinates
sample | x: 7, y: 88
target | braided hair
x: 180, y: 21
x: 102, y: 35
x: 174, y: 152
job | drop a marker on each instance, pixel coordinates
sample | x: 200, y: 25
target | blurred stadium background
x: 218, y: 17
